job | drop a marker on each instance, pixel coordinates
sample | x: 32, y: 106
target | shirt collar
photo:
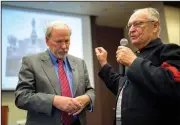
x: 153, y: 43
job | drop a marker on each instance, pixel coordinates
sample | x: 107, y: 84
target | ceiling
x: 172, y: 3
x: 112, y: 14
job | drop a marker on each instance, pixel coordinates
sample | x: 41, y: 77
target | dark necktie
x: 65, y: 88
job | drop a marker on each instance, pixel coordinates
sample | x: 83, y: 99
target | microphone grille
x: 124, y: 42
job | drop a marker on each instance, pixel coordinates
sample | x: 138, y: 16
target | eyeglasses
x: 137, y: 24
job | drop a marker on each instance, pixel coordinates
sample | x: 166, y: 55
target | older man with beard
x: 54, y: 86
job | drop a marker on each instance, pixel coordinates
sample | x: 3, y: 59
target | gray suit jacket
x: 38, y: 83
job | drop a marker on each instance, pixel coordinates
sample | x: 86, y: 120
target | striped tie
x: 65, y: 88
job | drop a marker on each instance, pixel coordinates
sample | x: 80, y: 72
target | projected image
x: 23, y: 33
x: 16, y: 49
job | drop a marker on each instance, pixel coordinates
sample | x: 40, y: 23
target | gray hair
x: 57, y: 25
x: 153, y: 15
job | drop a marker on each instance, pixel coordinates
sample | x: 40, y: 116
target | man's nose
x: 132, y: 28
x: 63, y: 45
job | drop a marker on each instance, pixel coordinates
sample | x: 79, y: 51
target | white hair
x: 57, y: 25
x: 153, y: 15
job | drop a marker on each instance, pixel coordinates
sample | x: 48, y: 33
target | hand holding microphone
x: 124, y: 55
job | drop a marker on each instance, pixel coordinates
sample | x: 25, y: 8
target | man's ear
x: 156, y: 26
x: 47, y: 41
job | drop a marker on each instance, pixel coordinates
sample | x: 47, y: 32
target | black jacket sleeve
x: 110, y: 78
x: 160, y: 80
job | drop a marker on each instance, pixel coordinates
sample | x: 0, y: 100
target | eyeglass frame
x: 137, y: 24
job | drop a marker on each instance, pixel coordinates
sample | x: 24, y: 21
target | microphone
x: 123, y: 42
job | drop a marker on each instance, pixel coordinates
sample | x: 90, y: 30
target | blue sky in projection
x: 19, y: 22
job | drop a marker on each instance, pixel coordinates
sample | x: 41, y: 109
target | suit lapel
x: 75, y: 73
x: 50, y: 72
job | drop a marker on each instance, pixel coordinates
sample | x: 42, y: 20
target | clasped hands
x: 72, y: 106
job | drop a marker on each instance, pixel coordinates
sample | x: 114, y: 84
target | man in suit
x: 149, y: 92
x: 54, y: 86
